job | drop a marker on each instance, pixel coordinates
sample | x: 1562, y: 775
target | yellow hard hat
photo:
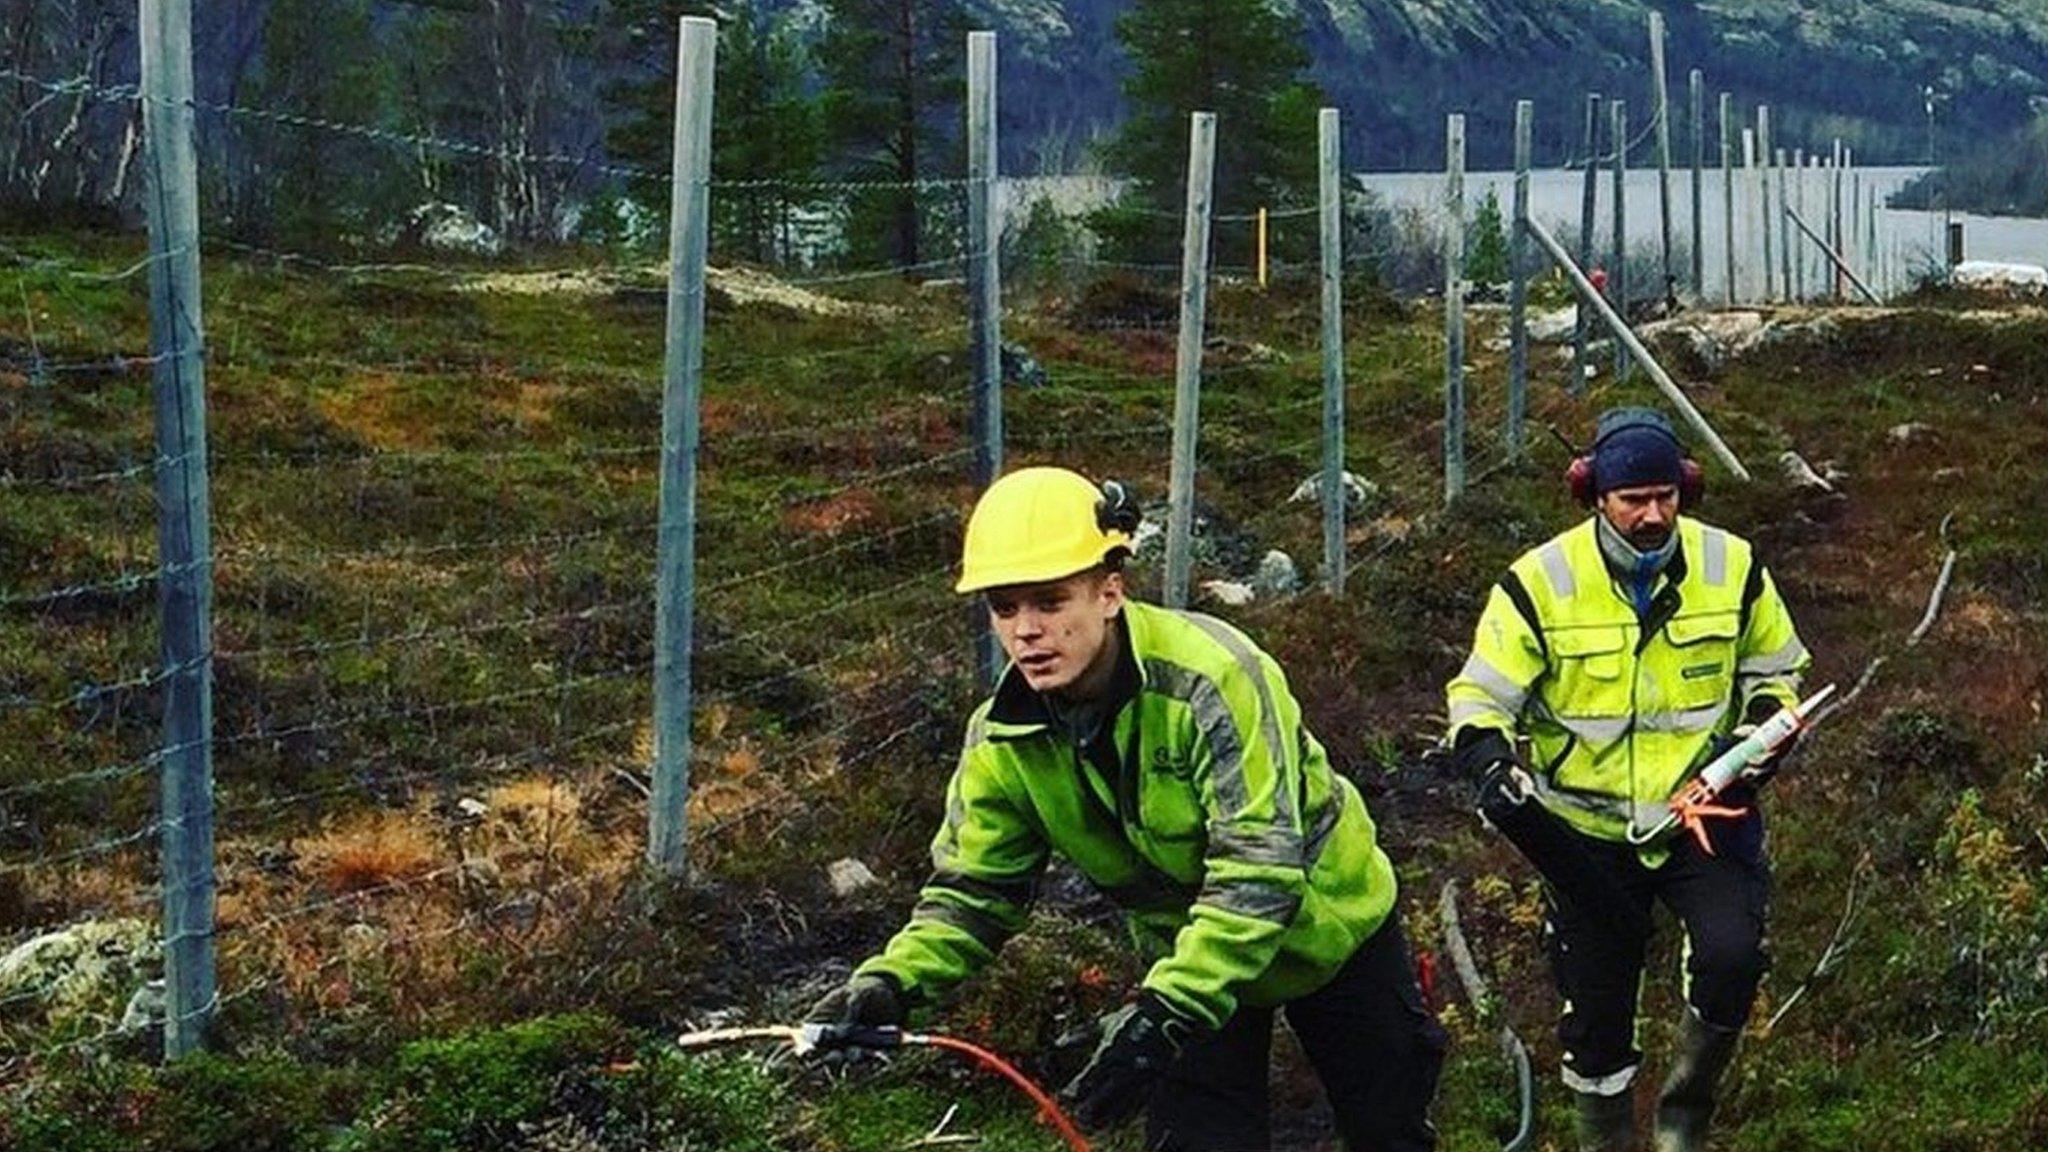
x: 1039, y: 524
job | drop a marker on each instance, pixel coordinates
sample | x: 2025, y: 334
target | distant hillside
x: 2006, y: 175
x: 1853, y: 68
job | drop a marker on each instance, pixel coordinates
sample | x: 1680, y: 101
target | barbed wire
x: 115, y: 364
x: 84, y: 852
x: 499, y: 765
x: 401, y: 138
x: 129, y: 93
x: 93, y: 693
x: 69, y: 270
x: 721, y: 825
x: 232, y: 549
x: 114, y: 585
x: 107, y: 774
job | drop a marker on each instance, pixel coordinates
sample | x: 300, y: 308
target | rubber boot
x: 1687, y: 1103
x: 1606, y: 1123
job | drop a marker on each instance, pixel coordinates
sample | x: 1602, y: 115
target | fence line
x: 404, y: 742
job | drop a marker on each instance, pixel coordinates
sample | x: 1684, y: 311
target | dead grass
x: 859, y: 508
x: 371, y: 851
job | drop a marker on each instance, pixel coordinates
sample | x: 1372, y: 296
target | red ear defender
x: 1580, y: 477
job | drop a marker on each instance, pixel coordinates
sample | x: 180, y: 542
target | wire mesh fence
x: 436, y: 485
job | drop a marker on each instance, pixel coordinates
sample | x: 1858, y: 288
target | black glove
x: 866, y: 1002
x: 1485, y: 757
x: 1140, y: 1041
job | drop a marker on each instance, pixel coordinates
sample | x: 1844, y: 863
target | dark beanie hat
x: 1635, y: 447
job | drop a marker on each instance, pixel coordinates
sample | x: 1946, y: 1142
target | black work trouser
x: 1374, y: 1046
x: 1721, y: 899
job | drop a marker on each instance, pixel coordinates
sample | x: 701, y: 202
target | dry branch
x: 1837, y: 949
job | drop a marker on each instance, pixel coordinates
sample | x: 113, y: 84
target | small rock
x: 1950, y: 473
x: 1021, y: 367
x: 481, y: 871
x: 359, y: 938
x: 145, y: 1009
x: 1357, y: 490
x: 1554, y: 327
x: 276, y: 859
x: 1801, y: 474
x: 72, y: 967
x: 1277, y: 575
x: 473, y: 808
x: 1229, y: 593
x: 452, y: 228
x: 848, y: 876
x: 1909, y: 433
x: 1150, y: 536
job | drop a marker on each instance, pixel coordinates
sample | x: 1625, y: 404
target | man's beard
x: 1649, y: 538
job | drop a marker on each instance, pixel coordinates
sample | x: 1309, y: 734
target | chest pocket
x: 1702, y: 658
x: 1588, y: 665
x: 1169, y: 805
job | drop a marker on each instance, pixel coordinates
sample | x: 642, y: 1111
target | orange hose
x: 1047, y: 1108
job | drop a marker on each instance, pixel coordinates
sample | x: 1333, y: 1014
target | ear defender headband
x: 1117, y: 511
x: 1692, y: 479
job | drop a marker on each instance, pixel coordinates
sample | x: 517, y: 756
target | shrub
x: 475, y: 1090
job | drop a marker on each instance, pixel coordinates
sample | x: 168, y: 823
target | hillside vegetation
x: 434, y: 497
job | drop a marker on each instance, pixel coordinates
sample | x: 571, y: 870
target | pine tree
x: 766, y: 133
x: 1486, y: 254
x: 1240, y: 59
x: 640, y: 99
x: 768, y: 137
x: 893, y: 105
x: 320, y: 60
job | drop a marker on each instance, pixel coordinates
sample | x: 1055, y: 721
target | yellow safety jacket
x: 1620, y: 711
x: 1250, y: 870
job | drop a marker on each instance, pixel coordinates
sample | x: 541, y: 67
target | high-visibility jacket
x: 1621, y: 711
x: 1249, y: 870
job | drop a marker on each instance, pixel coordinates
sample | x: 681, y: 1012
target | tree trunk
x: 906, y: 133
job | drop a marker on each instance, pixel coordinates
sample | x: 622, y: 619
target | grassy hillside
x: 434, y: 496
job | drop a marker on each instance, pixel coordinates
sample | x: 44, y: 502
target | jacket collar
x: 1674, y: 570
x: 1017, y: 709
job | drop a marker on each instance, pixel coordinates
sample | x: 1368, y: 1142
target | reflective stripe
x: 1558, y: 567
x: 977, y: 732
x: 1612, y: 1084
x: 1602, y: 730
x: 1505, y: 692
x: 986, y: 930
x: 1269, y: 845
x: 1326, y: 823
x: 947, y: 845
x: 1252, y: 899
x: 1714, y: 556
x: 1269, y: 716
x: 1466, y: 711
x: 1785, y: 659
x: 1683, y: 720
x: 1212, y: 716
x: 1608, y: 807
